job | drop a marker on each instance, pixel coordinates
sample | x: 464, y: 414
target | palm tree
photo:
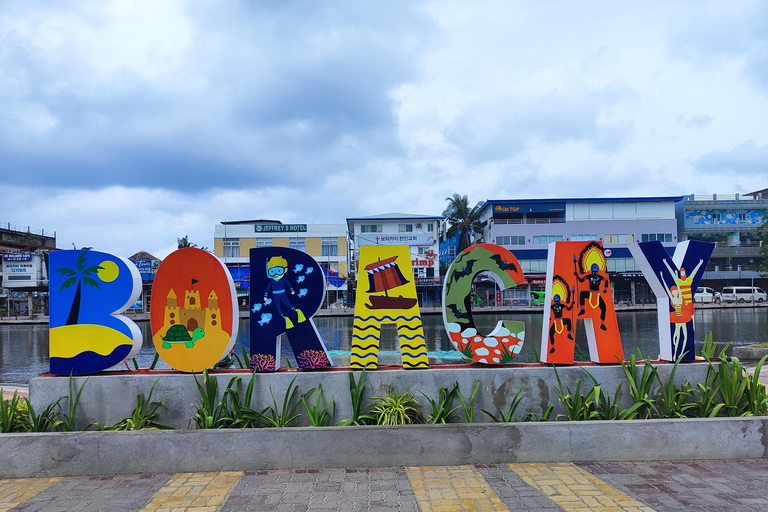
x: 184, y: 242
x: 80, y: 275
x: 463, y: 219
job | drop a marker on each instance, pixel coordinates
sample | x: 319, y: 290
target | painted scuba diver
x: 559, y: 321
x: 593, y: 294
x: 277, y: 266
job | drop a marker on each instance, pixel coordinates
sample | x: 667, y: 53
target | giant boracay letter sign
x: 578, y: 287
x: 287, y: 287
x: 386, y: 294
x: 504, y: 343
x: 88, y: 291
x: 193, y: 314
x: 674, y: 281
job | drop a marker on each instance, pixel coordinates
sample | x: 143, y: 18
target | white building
x: 326, y: 243
x: 418, y: 232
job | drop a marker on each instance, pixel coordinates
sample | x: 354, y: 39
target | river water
x: 24, y: 347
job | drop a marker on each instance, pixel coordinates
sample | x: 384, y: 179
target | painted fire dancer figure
x: 594, y: 279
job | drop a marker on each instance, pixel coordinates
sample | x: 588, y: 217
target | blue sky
x: 127, y: 124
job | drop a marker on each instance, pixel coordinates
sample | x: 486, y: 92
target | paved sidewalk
x: 737, y: 485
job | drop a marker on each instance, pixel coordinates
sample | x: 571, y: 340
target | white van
x: 744, y: 294
x: 706, y: 295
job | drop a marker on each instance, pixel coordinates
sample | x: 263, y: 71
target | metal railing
x: 529, y: 221
x: 21, y: 229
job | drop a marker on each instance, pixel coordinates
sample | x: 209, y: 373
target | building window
x: 451, y: 251
x: 330, y: 246
x: 547, y: 239
x: 510, y: 240
x: 231, y: 247
x: 617, y: 239
x: 370, y: 228
x: 297, y: 243
x: 533, y: 266
x: 661, y: 237
x: 430, y: 226
x: 406, y: 228
x: 583, y: 238
x: 263, y: 242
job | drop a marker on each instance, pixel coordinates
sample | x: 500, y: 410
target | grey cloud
x: 740, y: 31
x: 747, y: 158
x: 303, y: 89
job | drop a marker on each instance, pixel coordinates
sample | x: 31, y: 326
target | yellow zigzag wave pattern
x: 365, y: 342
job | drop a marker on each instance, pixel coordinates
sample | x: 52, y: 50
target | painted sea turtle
x: 179, y: 334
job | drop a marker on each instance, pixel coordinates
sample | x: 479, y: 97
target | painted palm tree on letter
x: 463, y: 219
x: 81, y: 275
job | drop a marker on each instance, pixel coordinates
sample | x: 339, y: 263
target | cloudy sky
x: 127, y: 124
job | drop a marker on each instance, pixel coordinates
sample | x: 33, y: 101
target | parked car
x: 706, y: 295
x: 537, y: 298
x: 744, y: 294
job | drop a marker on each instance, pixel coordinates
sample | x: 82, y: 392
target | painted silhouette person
x: 559, y: 322
x: 277, y: 267
x: 594, y: 279
x: 681, y: 314
x: 684, y: 283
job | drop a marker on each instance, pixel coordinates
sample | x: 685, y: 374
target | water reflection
x: 24, y: 348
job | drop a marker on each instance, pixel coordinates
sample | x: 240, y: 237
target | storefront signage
x: 21, y: 270
x: 395, y: 239
x: 280, y: 228
x: 17, y: 257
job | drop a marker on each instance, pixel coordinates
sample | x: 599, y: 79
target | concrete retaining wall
x: 107, y: 398
x: 94, y: 453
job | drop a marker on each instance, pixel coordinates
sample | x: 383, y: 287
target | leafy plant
x: 532, y: 417
x: 607, y: 408
x: 579, y: 354
x: 12, y: 419
x: 468, y: 407
x: 143, y: 416
x: 441, y: 407
x: 238, y: 411
x: 578, y: 406
x: 275, y: 416
x: 756, y: 399
x: 733, y: 386
x: 673, y: 402
x: 211, y: 413
x: 641, y: 388
x: 709, y: 348
x: 67, y: 420
x: 245, y: 361
x: 356, y: 392
x: 46, y: 421
x: 706, y: 402
x: 396, y: 409
x: 318, y: 417
x: 500, y: 416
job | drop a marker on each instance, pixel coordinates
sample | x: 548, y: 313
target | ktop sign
x: 280, y: 228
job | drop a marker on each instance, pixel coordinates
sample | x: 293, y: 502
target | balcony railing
x: 529, y: 221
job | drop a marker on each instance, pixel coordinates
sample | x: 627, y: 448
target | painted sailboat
x: 385, y: 275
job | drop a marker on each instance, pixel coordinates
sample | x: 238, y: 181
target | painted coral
x: 312, y: 359
x: 263, y: 363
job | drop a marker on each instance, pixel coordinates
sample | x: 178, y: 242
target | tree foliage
x: 463, y: 219
x: 762, y: 234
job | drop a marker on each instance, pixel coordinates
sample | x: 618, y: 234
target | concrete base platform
x: 183, y: 451
x: 109, y: 397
